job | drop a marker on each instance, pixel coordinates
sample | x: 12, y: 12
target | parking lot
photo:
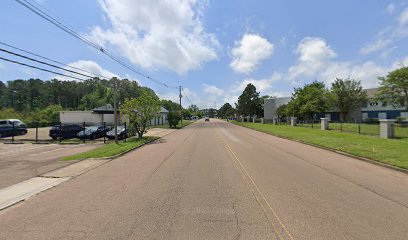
x: 19, y: 162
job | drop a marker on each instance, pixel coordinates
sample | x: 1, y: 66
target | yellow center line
x: 245, y: 173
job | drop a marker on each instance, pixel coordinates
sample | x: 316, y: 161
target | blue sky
x: 214, y: 48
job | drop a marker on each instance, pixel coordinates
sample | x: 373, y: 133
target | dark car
x: 93, y: 132
x: 12, y: 127
x: 65, y: 131
x: 122, y: 133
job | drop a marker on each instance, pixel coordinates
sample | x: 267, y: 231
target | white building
x: 105, y: 114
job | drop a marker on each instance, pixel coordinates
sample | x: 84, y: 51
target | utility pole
x: 115, y: 110
x: 181, y: 108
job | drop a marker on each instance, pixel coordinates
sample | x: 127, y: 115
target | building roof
x: 108, y: 108
x: 163, y: 110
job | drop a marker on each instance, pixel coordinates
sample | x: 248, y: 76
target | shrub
x: 173, y: 118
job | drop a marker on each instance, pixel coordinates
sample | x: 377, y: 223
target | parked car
x: 12, y: 127
x: 93, y: 132
x: 122, y: 133
x: 64, y: 131
x: 207, y: 119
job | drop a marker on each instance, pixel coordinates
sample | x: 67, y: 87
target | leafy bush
x: 173, y: 118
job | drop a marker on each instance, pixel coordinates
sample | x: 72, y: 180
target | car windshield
x: 91, y: 129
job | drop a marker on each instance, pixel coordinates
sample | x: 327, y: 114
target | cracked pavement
x: 219, y: 181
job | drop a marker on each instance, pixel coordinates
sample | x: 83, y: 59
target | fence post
x: 104, y: 129
x: 36, y: 131
x: 83, y: 125
x: 386, y: 128
x: 60, y: 132
x: 324, y: 124
x: 13, y: 132
x: 359, y: 128
x: 124, y: 136
x: 293, y: 121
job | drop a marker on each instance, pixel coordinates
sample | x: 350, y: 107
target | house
x: 105, y: 114
x: 372, y: 109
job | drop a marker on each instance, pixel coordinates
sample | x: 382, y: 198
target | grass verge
x: 390, y: 151
x: 179, y: 126
x: 112, y: 149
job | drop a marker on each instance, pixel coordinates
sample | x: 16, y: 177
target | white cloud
x: 313, y: 53
x: 380, y: 43
x: 390, y: 8
x: 89, y: 67
x: 403, y: 18
x: 249, y: 52
x: 213, y: 90
x: 387, y: 36
x: 366, y: 72
x: 159, y: 35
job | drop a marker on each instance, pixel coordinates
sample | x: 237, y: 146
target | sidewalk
x: 159, y: 132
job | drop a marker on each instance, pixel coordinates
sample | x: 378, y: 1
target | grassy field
x: 180, y: 125
x: 389, y: 151
x: 366, y: 129
x: 112, y: 149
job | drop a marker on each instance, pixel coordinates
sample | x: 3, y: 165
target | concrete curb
x: 403, y: 170
x: 125, y: 152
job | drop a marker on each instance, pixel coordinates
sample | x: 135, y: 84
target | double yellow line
x: 281, y: 231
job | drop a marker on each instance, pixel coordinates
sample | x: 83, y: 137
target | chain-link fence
x: 57, y: 132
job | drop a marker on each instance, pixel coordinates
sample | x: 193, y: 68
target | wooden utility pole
x: 181, y: 108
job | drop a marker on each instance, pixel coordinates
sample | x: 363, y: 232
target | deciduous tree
x: 141, y: 110
x: 394, y: 88
x: 347, y: 95
x: 249, y: 103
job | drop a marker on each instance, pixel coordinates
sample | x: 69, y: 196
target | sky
x: 215, y: 48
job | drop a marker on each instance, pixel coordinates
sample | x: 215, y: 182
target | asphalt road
x: 220, y: 181
x: 19, y: 162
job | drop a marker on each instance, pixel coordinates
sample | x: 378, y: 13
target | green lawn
x: 390, y: 151
x: 111, y: 149
x: 180, y: 125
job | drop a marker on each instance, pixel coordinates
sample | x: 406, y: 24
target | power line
x: 51, y: 65
x: 51, y: 60
x: 42, y: 69
x: 185, y: 95
x: 70, y: 31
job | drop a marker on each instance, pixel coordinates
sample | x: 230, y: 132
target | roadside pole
x: 181, y: 108
x: 115, y: 110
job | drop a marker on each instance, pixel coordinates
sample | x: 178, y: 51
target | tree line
x: 343, y: 96
x: 36, y: 100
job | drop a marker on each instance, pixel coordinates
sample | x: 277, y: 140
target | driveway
x: 19, y: 162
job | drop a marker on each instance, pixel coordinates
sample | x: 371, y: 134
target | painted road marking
x: 255, y: 189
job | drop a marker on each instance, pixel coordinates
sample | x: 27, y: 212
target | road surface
x: 220, y: 181
x: 19, y: 162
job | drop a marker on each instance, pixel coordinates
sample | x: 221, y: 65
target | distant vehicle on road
x: 12, y: 127
x: 122, y: 133
x: 93, y: 132
x: 65, y: 131
x: 207, y: 119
